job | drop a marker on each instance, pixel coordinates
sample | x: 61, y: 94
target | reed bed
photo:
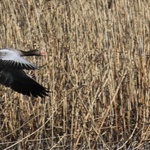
x: 97, y: 70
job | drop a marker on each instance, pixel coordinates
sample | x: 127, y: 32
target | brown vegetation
x: 97, y: 69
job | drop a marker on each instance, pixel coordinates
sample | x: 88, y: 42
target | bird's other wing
x: 18, y: 81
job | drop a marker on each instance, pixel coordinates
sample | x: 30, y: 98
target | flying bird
x: 12, y: 75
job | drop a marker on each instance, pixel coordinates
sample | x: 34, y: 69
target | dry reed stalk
x: 97, y: 70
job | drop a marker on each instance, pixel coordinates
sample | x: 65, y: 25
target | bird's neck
x: 28, y: 53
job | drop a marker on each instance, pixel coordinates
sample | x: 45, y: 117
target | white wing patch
x: 13, y: 59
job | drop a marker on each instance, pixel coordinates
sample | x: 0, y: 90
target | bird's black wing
x: 18, y: 81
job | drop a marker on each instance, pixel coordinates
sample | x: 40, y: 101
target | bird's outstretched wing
x: 18, y: 81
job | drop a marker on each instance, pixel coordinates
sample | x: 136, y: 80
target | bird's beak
x: 43, y: 53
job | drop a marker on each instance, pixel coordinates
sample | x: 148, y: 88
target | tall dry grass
x: 97, y: 70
